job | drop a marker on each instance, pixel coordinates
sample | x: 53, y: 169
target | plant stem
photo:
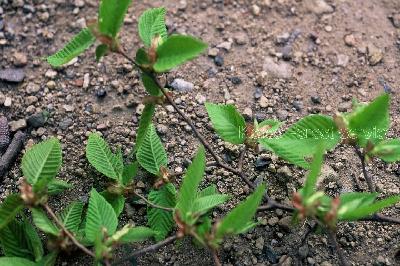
x: 338, y: 249
x: 152, y: 204
x: 367, y: 178
x: 215, y: 257
x: 272, y: 204
x: 68, y: 233
x: 11, y: 153
x: 147, y: 249
x: 380, y: 218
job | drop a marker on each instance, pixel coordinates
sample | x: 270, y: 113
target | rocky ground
x: 279, y: 59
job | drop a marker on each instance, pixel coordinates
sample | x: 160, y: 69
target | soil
x: 279, y: 59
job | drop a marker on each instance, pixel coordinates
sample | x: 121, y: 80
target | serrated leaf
x: 351, y: 201
x: 71, y: 217
x: 144, y: 123
x: 368, y: 209
x: 371, y: 122
x: 137, y: 234
x: 387, y: 150
x: 151, y: 154
x: 150, y: 85
x: 13, y: 241
x: 15, y: 261
x: 129, y: 173
x: 10, y: 207
x: 300, y: 141
x: 312, y: 177
x: 80, y: 42
x: 43, y: 222
x: 41, y: 163
x: 227, y: 122
x: 204, y: 204
x: 33, y: 241
x: 117, y: 201
x: 100, y: 216
x: 49, y: 260
x: 102, y: 159
x: 238, y: 220
x: 56, y: 186
x: 208, y: 191
x: 176, y: 50
x: 159, y: 220
x: 266, y: 127
x: 101, y: 50
x: 152, y: 24
x: 111, y: 16
x: 142, y: 58
x: 188, y: 191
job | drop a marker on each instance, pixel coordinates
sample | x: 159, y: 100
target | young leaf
x: 102, y: 159
x: 161, y: 221
x: 227, y: 122
x: 238, y: 220
x: 144, y: 123
x: 208, y: 191
x: 137, y: 234
x: 33, y: 240
x: 312, y: 177
x: 150, y: 85
x: 204, y: 204
x: 176, y: 50
x: 15, y: 261
x: 369, y: 208
x: 116, y: 201
x: 13, y: 241
x: 101, y: 50
x: 10, y: 207
x: 301, y: 140
x: 188, y: 191
x: 49, y: 260
x: 41, y: 163
x: 142, y: 58
x: 267, y: 127
x: 111, y: 16
x: 83, y: 40
x: 100, y: 216
x: 387, y: 150
x: 71, y: 217
x: 56, y: 186
x: 151, y: 154
x: 43, y: 222
x: 152, y: 24
x: 130, y: 171
x: 351, y: 201
x: 371, y: 122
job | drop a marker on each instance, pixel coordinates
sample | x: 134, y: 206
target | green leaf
x: 176, y: 50
x: 15, y: 261
x: 227, y: 122
x: 312, y: 177
x: 152, y: 24
x: 100, y: 216
x: 117, y: 201
x: 83, y: 40
x: 238, y: 220
x: 208, y: 191
x: 142, y: 58
x: 10, y: 207
x: 101, y: 50
x: 150, y: 85
x: 300, y: 141
x: 159, y: 220
x: 33, y: 240
x: 371, y: 122
x: 367, y: 208
x: 102, y: 159
x: 56, y: 186
x: 71, y: 217
x: 266, y: 127
x: 48, y: 260
x: 111, y: 16
x: 41, y: 163
x: 188, y: 191
x: 204, y: 204
x: 144, y: 123
x: 13, y: 241
x: 43, y: 222
x: 151, y: 154
x: 137, y: 234
x: 129, y: 173
x: 351, y: 201
x: 387, y: 150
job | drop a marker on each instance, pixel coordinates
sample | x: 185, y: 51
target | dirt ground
x: 279, y: 59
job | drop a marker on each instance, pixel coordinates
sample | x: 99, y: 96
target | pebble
x: 241, y: 38
x: 200, y: 99
x: 255, y: 9
x: 286, y: 223
x: 395, y: 18
x: 248, y: 113
x: 32, y: 88
x: 303, y: 251
x: 328, y: 28
x: 219, y: 60
x: 282, y: 38
x: 277, y: 69
x: 225, y: 45
x: 68, y: 108
x: 51, y: 74
x: 282, y: 115
x: 263, y: 101
x: 350, y: 40
x: 182, y: 85
x: 375, y: 55
x: 260, y: 243
x: 319, y: 7
x: 36, y: 120
x: 139, y: 109
x: 51, y: 85
x: 17, y: 125
x: 8, y: 102
x: 12, y: 75
x: 86, y: 81
x: 235, y: 80
x: 213, y: 52
x: 20, y: 59
x: 342, y: 60
x: 344, y: 106
x: 101, y: 93
x: 316, y: 99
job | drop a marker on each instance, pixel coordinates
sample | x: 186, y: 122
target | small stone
x: 263, y: 101
x: 262, y: 162
x: 255, y: 9
x: 241, y: 38
x: 282, y: 38
x: 51, y: 85
x: 182, y: 85
x: 162, y: 129
x: 225, y: 45
x: 17, y: 125
x: 303, y: 251
x: 344, y: 106
x: 51, y: 74
x: 282, y: 115
x: 101, y: 93
x: 213, y: 52
x: 285, y: 171
x: 285, y: 223
x: 140, y: 184
x: 8, y: 102
x: 326, y: 263
x: 200, y: 99
x: 219, y: 60
x: 139, y: 109
x: 316, y: 99
x: 86, y: 81
x: 101, y: 127
x: 260, y: 243
x: 12, y: 75
x: 285, y: 260
x: 395, y: 18
x: 37, y: 120
x: 350, y: 40
x: 31, y: 99
x: 235, y: 80
x: 375, y: 55
x: 273, y: 221
x: 79, y: 3
x: 32, y: 88
x: 328, y: 28
x: 248, y: 113
x: 342, y: 60
x: 68, y: 108
x: 319, y: 7
x: 20, y: 59
x: 277, y: 69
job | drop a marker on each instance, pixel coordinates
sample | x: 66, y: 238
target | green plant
x: 96, y: 229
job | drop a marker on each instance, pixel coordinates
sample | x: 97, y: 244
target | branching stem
x: 338, y: 249
x: 151, y: 203
x: 367, y: 178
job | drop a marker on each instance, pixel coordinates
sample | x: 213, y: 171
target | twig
x: 215, y: 257
x: 152, y: 204
x: 272, y: 204
x: 241, y: 159
x: 146, y: 250
x: 68, y: 233
x: 12, y: 152
x: 338, y: 249
x: 370, y: 182
x: 380, y: 218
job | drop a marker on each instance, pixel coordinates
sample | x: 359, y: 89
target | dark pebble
x: 36, y: 120
x: 236, y: 80
x: 298, y: 105
x: 101, y: 93
x: 219, y: 60
x: 270, y: 254
x: 12, y: 75
x: 258, y: 93
x: 262, y: 162
x: 316, y: 99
